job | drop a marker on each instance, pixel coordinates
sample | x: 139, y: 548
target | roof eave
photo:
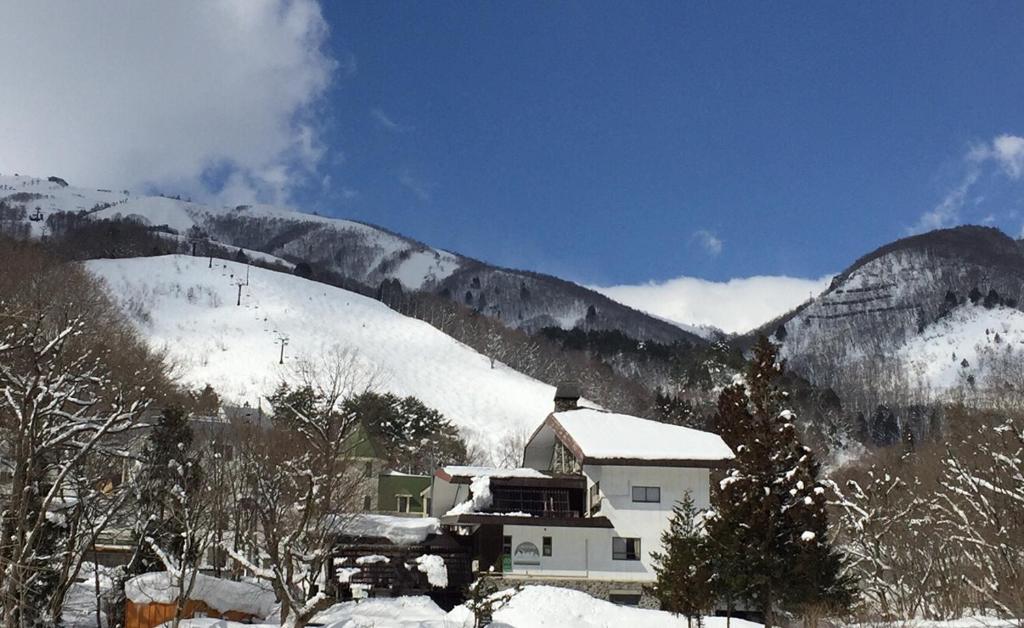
x: 665, y: 462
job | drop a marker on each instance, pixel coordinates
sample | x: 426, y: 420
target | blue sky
x: 609, y: 143
x: 620, y: 143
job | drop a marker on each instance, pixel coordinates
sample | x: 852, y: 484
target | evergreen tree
x: 413, y: 436
x: 166, y: 453
x: 769, y: 520
x: 684, y: 572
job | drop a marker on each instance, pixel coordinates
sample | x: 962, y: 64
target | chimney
x: 567, y: 396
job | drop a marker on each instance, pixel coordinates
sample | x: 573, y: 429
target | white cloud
x: 734, y: 306
x: 709, y: 241
x: 133, y: 94
x: 1005, y: 151
x: 947, y: 212
x: 421, y: 188
x: 1008, y: 151
x: 386, y: 121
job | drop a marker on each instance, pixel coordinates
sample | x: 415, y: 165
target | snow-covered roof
x: 398, y: 530
x: 608, y: 437
x: 455, y: 471
x: 221, y: 595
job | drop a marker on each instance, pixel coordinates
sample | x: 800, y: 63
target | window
x: 404, y: 503
x: 625, y: 549
x: 426, y: 505
x: 647, y: 494
x: 506, y: 545
x: 367, y: 502
x: 624, y: 599
x: 595, y: 498
x: 368, y: 470
x: 546, y: 546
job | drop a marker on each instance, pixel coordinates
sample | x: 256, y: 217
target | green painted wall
x: 389, y: 487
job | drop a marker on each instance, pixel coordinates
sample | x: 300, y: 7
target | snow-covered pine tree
x: 770, y: 509
x: 166, y: 452
x: 174, y: 524
x: 684, y: 571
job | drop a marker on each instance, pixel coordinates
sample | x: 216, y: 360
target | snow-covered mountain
x: 181, y: 305
x: 358, y: 252
x: 887, y: 327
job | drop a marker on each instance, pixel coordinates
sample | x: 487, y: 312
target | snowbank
x: 553, y: 607
x: 218, y: 594
x: 609, y: 435
x: 398, y: 530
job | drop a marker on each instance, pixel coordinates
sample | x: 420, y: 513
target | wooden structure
x: 388, y: 569
x: 150, y: 600
x: 152, y: 614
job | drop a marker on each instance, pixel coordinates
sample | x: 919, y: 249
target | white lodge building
x: 589, y: 505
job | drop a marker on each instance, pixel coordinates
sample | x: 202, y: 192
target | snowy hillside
x: 358, y: 252
x: 971, y: 347
x: 852, y: 337
x: 415, y: 266
x: 180, y: 304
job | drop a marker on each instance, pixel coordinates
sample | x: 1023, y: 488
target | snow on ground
x: 553, y: 607
x: 533, y: 607
x: 609, y: 435
x: 936, y: 356
x: 427, y: 266
x: 180, y: 305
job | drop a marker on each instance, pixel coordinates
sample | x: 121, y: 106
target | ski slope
x: 189, y: 310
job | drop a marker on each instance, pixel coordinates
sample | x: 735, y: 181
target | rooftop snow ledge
x: 609, y: 438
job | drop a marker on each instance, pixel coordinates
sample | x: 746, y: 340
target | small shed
x: 151, y: 600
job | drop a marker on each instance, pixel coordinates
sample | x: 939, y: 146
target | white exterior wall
x: 445, y: 495
x: 575, y: 553
x: 587, y: 552
x: 645, y: 521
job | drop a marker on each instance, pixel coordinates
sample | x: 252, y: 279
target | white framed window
x: 647, y: 494
x: 625, y: 548
x: 404, y: 503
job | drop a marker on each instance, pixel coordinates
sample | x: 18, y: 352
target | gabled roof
x: 597, y: 437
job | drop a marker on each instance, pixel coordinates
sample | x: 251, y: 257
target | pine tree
x: 769, y: 519
x: 684, y: 576
x: 166, y: 451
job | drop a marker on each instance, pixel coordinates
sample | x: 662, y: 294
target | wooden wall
x: 153, y: 614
